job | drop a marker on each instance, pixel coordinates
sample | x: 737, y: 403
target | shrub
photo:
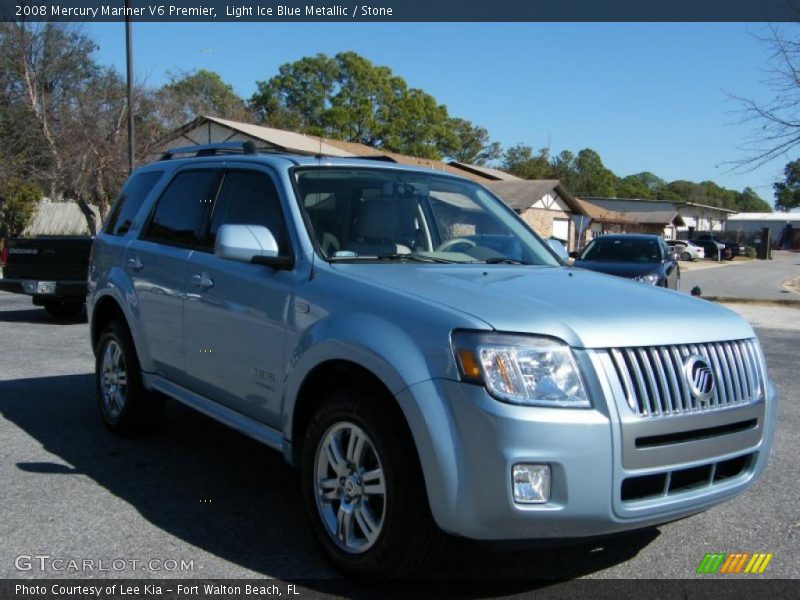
x: 749, y: 252
x: 18, y: 201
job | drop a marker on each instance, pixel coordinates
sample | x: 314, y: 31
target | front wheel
x: 363, y: 488
x: 686, y: 256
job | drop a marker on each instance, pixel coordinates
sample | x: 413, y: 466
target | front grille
x: 642, y: 487
x: 655, y: 385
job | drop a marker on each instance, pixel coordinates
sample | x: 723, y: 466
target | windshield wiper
x: 501, y: 260
x: 414, y: 257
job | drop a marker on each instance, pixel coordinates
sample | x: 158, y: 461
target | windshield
x: 389, y: 215
x: 634, y: 250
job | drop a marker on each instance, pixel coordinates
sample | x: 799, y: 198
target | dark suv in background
x: 644, y: 258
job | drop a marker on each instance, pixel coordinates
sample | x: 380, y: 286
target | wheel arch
x: 319, y: 381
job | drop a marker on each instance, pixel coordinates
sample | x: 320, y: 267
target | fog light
x: 531, y: 483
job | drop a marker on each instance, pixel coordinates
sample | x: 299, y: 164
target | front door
x: 235, y: 313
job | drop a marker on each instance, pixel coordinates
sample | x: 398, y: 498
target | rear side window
x: 129, y: 201
x: 180, y: 210
x: 249, y: 198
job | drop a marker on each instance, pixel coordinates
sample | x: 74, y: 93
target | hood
x: 585, y: 309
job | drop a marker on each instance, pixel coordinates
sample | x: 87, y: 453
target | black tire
x: 63, y: 309
x: 134, y: 410
x: 408, y: 538
x: 686, y: 256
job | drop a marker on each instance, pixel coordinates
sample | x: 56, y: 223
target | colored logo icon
x: 729, y: 563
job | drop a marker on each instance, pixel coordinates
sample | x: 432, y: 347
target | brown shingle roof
x: 524, y: 193
x: 487, y: 172
x: 623, y: 210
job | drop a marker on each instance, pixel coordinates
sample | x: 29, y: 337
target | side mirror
x: 558, y: 248
x: 249, y: 243
x: 573, y: 254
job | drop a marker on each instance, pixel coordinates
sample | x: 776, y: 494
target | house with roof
x: 784, y: 228
x: 625, y: 215
x: 546, y: 205
x: 212, y: 130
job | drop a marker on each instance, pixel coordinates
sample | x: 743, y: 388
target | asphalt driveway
x: 754, y: 280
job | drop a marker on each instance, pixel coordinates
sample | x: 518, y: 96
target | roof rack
x: 212, y: 149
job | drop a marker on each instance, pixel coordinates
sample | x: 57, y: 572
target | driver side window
x: 248, y: 198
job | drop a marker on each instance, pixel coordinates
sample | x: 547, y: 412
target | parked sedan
x: 686, y: 249
x: 644, y: 258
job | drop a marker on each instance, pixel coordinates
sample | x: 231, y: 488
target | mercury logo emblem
x: 699, y: 377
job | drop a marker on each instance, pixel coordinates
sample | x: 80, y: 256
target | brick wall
x: 541, y: 220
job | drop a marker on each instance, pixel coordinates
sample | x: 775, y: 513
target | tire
x: 686, y: 256
x: 383, y: 535
x: 63, y: 308
x: 126, y: 407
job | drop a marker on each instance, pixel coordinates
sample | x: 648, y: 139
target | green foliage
x: 586, y: 175
x: 473, y: 143
x: 750, y: 252
x: 749, y: 201
x: 17, y: 206
x: 787, y: 192
x: 198, y: 93
x: 346, y: 97
x: 593, y: 178
x: 521, y: 161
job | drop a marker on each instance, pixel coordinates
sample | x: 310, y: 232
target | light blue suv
x: 423, y: 357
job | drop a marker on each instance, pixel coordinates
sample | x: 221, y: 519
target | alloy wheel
x: 350, y: 487
x: 114, y: 379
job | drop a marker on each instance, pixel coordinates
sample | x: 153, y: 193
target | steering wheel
x: 450, y: 244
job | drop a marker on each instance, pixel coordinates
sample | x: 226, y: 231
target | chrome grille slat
x: 707, y: 355
x: 639, y: 379
x: 675, y: 390
x: 625, y: 380
x: 737, y: 352
x: 751, y: 355
x: 647, y: 368
x: 654, y: 383
x: 676, y: 357
x: 725, y: 373
x: 722, y: 395
x: 732, y: 369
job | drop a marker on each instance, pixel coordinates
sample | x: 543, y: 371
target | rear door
x: 156, y: 263
x: 235, y: 313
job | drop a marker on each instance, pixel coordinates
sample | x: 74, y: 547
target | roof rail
x: 212, y: 149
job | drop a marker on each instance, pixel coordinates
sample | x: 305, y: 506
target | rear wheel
x: 63, y: 308
x: 363, y: 488
x: 126, y: 407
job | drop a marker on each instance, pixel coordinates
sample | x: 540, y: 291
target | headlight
x: 536, y: 371
x: 651, y: 278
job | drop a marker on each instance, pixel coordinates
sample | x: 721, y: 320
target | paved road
x: 756, y: 280
x: 198, y: 491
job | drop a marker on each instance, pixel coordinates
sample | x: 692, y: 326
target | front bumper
x: 468, y: 443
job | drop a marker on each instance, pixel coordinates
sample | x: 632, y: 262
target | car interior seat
x: 376, y: 229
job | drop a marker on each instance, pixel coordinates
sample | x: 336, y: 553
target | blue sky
x: 646, y: 96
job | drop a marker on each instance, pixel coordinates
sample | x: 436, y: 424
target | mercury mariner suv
x: 423, y: 357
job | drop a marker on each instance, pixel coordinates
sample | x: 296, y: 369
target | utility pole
x: 129, y: 57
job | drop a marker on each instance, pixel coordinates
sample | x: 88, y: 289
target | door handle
x: 135, y: 263
x: 202, y: 280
